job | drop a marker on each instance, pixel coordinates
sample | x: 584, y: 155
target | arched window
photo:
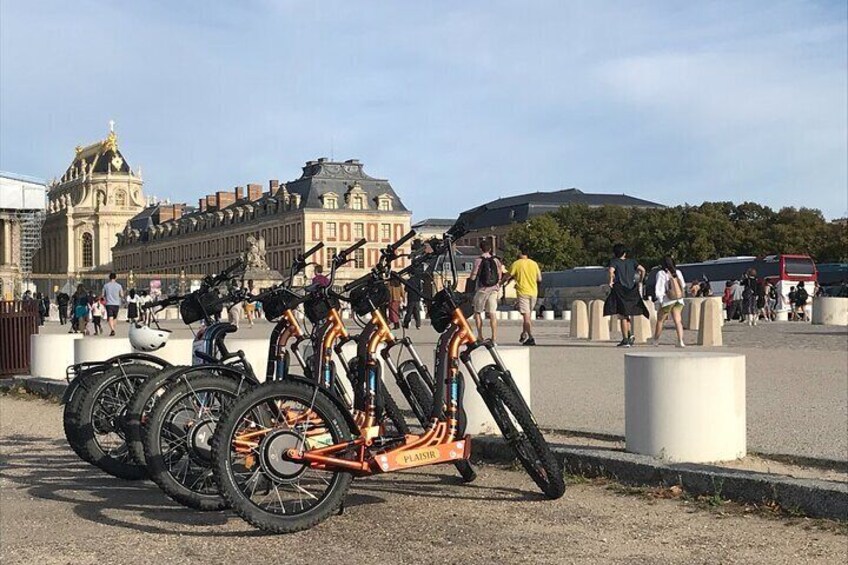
x: 87, y: 250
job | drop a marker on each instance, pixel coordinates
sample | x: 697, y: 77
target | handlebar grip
x: 409, y: 235
x: 357, y: 283
x: 354, y: 247
x: 318, y: 246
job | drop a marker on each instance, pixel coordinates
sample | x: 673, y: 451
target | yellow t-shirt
x: 526, y: 274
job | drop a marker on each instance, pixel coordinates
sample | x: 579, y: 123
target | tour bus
x: 784, y: 271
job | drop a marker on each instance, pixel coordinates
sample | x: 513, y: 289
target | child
x: 98, y: 310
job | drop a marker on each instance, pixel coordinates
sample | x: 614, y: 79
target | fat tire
x: 136, y: 411
x: 90, y: 391
x: 71, y: 418
x: 391, y: 411
x: 255, y: 516
x: 502, y: 398
x: 152, y: 430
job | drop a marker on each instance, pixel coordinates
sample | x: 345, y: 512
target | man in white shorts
x: 486, y: 274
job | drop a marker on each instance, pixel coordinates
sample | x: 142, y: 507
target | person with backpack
x: 669, y: 293
x: 624, y: 299
x: 486, y: 275
x: 801, y: 297
x: 749, y: 296
x: 62, y: 301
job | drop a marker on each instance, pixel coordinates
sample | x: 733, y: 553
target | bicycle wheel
x: 139, y: 408
x: 393, y: 421
x: 177, y: 438
x: 71, y: 418
x: 521, y: 432
x: 424, y: 398
x: 102, y: 426
x: 267, y: 490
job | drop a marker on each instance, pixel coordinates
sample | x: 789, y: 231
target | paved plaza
x: 55, y: 509
x: 797, y: 381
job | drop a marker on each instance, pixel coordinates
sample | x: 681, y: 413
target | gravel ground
x: 55, y: 509
x: 797, y: 379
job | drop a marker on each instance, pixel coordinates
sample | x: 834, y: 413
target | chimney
x: 273, y: 187
x: 210, y: 202
x: 322, y: 159
x: 352, y: 161
x: 177, y: 210
x: 201, y: 204
x: 224, y: 199
x: 254, y: 191
x: 239, y: 192
x: 166, y: 213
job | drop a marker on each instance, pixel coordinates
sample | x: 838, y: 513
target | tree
x: 547, y: 243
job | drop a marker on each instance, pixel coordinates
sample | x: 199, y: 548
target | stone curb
x: 810, y: 497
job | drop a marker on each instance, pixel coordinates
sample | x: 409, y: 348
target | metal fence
x: 18, y: 321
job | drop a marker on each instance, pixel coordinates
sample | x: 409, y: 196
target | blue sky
x: 455, y: 103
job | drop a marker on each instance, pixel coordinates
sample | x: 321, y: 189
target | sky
x: 456, y: 103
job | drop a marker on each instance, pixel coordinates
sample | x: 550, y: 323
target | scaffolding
x: 31, y: 222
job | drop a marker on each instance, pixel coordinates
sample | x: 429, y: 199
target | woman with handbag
x: 669, y: 293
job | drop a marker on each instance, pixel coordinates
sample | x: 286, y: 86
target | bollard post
x: 598, y: 325
x: 579, y: 320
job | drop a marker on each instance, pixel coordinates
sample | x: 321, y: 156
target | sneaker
x: 655, y: 342
x: 522, y: 338
x: 623, y: 343
x: 631, y: 340
x: 530, y: 341
x: 112, y: 333
x: 681, y: 344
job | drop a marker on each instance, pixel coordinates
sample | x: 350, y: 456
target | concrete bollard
x: 517, y: 361
x: 514, y: 315
x: 709, y: 326
x: 642, y: 329
x: 598, y: 325
x: 579, y: 320
x: 548, y: 315
x: 693, y: 315
x: 50, y: 354
x: 781, y: 315
x: 178, y: 351
x: 256, y: 351
x: 94, y: 348
x: 502, y: 315
x: 566, y: 316
x: 685, y: 407
x: 830, y: 311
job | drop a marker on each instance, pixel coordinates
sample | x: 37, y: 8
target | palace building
x: 332, y: 202
x: 87, y: 207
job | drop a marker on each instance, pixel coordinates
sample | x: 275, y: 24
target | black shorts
x: 112, y: 311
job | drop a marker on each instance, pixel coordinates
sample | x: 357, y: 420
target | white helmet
x: 145, y: 338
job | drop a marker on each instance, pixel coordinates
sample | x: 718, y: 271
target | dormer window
x: 330, y: 201
x: 357, y: 202
x: 384, y: 203
x: 356, y: 197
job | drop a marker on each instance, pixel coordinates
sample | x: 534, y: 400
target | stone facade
x: 87, y: 207
x: 332, y: 202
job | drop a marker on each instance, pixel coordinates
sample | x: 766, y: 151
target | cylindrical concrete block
x: 830, y: 311
x: 51, y: 354
x: 685, y: 407
x: 693, y: 314
x: 93, y: 348
x: 598, y: 325
x: 566, y: 316
x: 548, y: 315
x: 532, y: 314
x: 517, y: 361
x: 256, y: 352
x: 579, y: 320
x: 709, y: 326
x: 178, y: 351
x: 642, y: 329
x: 514, y: 315
x: 781, y: 315
x: 502, y: 315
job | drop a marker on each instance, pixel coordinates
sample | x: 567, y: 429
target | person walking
x: 669, y: 298
x: 234, y: 311
x: 727, y: 299
x: 319, y: 277
x: 133, y: 300
x: 249, y: 304
x: 113, y: 292
x: 416, y: 289
x: 800, y: 303
x: 487, y: 273
x: 43, y: 307
x: 527, y: 276
x: 98, y: 310
x: 749, y: 296
x: 62, y: 300
x: 624, y: 299
x: 396, y: 297
x: 79, y: 303
x: 738, y: 289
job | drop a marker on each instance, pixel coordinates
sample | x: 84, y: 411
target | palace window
x: 359, y: 258
x: 385, y: 231
x: 358, y: 230
x: 331, y: 230
x: 357, y: 202
x: 331, y: 252
x: 384, y: 203
x: 87, y: 250
x: 120, y: 198
x: 331, y: 202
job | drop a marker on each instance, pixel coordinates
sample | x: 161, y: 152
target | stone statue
x: 254, y: 257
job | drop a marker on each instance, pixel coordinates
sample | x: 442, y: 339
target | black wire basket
x: 200, y: 305
x: 318, y: 307
x: 372, y: 296
x: 278, y: 302
x: 441, y: 311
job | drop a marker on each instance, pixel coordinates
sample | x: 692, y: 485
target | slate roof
x: 101, y: 154
x: 144, y: 219
x: 323, y: 176
x: 435, y: 222
x: 522, y: 207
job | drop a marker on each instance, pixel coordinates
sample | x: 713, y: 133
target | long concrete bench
x: 685, y: 406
